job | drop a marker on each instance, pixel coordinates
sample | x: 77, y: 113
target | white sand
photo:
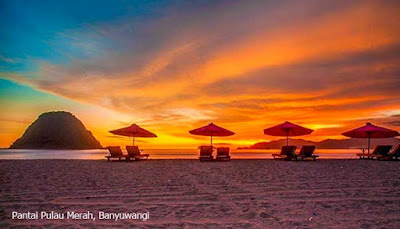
x: 190, y: 194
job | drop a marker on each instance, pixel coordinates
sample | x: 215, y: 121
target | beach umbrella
x: 212, y: 130
x: 287, y: 129
x: 371, y: 131
x: 134, y: 131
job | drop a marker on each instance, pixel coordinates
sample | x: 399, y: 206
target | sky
x: 172, y: 66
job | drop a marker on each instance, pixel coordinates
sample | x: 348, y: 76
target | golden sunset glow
x: 329, y: 68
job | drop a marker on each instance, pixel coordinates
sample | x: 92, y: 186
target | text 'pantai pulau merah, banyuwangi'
x: 101, y: 215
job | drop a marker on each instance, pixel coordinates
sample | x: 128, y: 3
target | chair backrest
x: 382, y: 149
x: 115, y: 150
x: 288, y: 150
x: 206, y: 150
x: 223, y: 151
x: 133, y: 151
x: 307, y: 150
x: 396, y: 151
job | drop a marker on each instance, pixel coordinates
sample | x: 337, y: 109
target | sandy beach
x: 189, y: 194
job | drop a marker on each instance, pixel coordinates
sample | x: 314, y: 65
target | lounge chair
x: 115, y: 152
x: 206, y: 153
x: 287, y: 153
x: 223, y: 154
x: 393, y: 154
x: 307, y: 152
x: 379, y: 151
x: 134, y: 153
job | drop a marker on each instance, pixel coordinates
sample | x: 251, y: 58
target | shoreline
x: 191, y: 154
x: 189, y: 159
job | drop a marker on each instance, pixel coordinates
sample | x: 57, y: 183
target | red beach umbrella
x: 287, y: 129
x: 212, y: 130
x: 133, y: 131
x: 371, y: 131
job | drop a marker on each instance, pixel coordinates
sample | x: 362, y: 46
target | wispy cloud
x: 239, y: 63
x: 9, y: 60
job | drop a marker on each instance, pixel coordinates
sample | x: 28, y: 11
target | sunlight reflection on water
x: 163, y: 154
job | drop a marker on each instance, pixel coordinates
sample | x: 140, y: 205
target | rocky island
x: 325, y: 144
x: 56, y: 130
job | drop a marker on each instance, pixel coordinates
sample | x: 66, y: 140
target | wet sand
x: 190, y: 194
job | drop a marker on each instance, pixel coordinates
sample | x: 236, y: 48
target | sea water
x: 99, y: 154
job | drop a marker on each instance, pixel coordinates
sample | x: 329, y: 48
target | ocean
x: 98, y: 154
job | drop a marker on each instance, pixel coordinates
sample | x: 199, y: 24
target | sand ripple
x: 189, y: 194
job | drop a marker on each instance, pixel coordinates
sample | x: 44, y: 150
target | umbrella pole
x: 369, y: 142
x: 287, y: 137
x: 211, y: 140
x: 133, y: 141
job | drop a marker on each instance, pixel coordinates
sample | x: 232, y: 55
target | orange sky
x: 242, y: 66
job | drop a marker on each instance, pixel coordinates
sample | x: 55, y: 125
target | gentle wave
x: 163, y: 154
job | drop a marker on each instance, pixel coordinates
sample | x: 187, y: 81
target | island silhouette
x: 325, y: 144
x: 57, y: 130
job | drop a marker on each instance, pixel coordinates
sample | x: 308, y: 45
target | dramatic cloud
x: 243, y: 64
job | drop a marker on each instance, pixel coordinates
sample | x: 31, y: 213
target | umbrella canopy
x: 212, y: 130
x: 287, y: 129
x: 371, y: 131
x: 133, y: 131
